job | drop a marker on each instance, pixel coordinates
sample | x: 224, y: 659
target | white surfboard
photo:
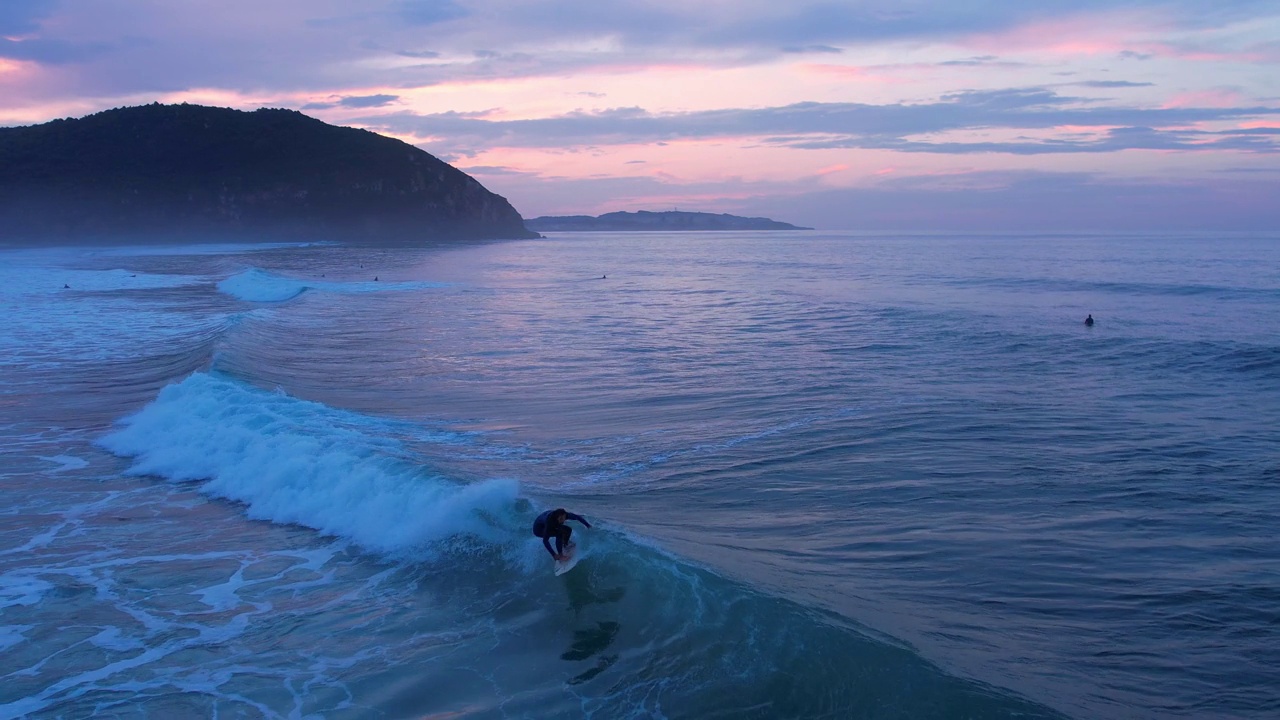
x: 571, y: 559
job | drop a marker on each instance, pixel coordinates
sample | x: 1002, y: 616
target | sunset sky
x: 912, y: 114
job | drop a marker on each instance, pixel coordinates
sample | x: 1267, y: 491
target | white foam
x: 38, y: 541
x: 294, y: 461
x: 20, y: 588
x: 11, y: 635
x: 257, y: 285
x: 41, y: 275
x: 71, y: 686
x: 111, y: 638
x: 65, y: 463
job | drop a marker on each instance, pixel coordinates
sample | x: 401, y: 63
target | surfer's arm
x: 546, y: 543
x: 579, y: 518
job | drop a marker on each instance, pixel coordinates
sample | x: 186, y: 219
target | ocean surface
x: 829, y: 476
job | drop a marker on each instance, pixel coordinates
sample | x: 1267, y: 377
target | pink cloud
x: 1257, y: 54
x: 682, y: 198
x: 848, y: 72
x: 854, y: 73
x: 1214, y: 98
x: 1114, y: 34
x: 1083, y: 129
x: 1080, y: 35
x: 12, y: 67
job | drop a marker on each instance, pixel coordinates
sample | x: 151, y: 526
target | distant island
x: 645, y: 220
x: 180, y: 173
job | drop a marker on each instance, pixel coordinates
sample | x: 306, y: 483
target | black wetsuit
x: 546, y: 528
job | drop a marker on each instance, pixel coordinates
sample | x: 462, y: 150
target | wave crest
x: 300, y: 462
x: 258, y: 285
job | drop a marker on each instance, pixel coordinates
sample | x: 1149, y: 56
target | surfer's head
x: 561, y: 515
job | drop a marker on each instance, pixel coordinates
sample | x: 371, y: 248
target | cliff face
x: 645, y: 220
x: 181, y: 172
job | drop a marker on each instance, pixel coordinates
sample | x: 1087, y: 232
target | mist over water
x: 829, y: 476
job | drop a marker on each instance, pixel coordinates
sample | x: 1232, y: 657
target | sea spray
x: 295, y: 461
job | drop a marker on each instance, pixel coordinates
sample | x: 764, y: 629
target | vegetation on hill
x: 180, y: 172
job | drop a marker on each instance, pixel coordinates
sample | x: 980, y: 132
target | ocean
x: 829, y: 475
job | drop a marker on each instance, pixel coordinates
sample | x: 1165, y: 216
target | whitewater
x: 830, y: 475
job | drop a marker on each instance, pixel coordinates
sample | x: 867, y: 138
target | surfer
x: 1089, y: 321
x: 551, y: 524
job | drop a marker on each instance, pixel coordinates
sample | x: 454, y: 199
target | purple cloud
x: 824, y: 126
x: 354, y: 101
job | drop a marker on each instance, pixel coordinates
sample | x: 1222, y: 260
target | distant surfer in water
x: 1089, y: 320
x: 551, y: 524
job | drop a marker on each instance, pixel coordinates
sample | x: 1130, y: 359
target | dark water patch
x: 1264, y: 361
x: 675, y: 640
x: 1061, y: 285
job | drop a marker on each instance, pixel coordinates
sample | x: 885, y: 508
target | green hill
x: 188, y: 172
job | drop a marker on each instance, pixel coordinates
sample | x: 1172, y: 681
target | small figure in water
x: 551, y: 524
x: 1089, y: 321
x: 603, y: 277
x: 66, y: 286
x: 375, y: 278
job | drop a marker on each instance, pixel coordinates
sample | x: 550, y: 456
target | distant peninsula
x: 645, y: 220
x: 186, y: 173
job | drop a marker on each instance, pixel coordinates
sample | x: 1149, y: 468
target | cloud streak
x: 354, y: 101
x: 819, y: 126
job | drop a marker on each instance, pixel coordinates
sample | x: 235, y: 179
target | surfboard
x: 564, y: 566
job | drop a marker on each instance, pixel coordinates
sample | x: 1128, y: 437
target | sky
x: 984, y: 115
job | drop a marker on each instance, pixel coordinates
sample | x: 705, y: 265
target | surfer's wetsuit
x: 546, y: 528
